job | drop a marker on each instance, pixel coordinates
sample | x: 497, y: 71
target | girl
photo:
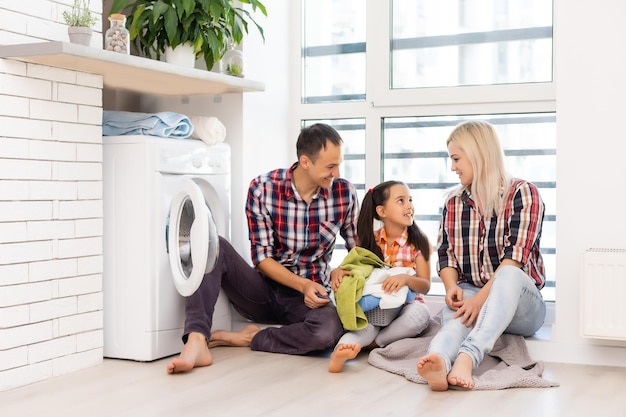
x: 400, y: 242
x: 489, y: 259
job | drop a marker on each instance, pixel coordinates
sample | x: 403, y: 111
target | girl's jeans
x: 514, y: 305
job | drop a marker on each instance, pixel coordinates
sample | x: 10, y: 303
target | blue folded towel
x: 369, y: 302
x: 163, y: 124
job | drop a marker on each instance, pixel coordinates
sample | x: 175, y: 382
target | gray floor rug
x: 508, y: 365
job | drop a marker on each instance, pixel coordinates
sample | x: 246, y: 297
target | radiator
x: 603, y: 294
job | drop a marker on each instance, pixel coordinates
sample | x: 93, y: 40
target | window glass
x: 333, y: 51
x: 443, y: 43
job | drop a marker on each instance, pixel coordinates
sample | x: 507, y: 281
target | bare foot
x: 241, y: 338
x: 432, y: 368
x: 341, y: 354
x: 195, y: 353
x: 461, y: 372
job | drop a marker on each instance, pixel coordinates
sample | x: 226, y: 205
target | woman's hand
x: 454, y: 297
x: 468, y: 312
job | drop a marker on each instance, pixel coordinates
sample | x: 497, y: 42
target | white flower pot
x: 181, y: 55
x: 80, y: 35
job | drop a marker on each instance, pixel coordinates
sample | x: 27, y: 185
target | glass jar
x: 117, y: 37
x: 232, y: 62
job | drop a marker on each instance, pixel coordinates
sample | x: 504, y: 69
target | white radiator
x: 603, y: 294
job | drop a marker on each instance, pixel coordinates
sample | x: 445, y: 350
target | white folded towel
x: 373, y: 286
x: 208, y: 129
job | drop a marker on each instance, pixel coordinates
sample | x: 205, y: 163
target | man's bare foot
x: 432, y: 368
x: 241, y: 338
x: 195, y: 353
x: 461, y: 372
x: 341, y: 354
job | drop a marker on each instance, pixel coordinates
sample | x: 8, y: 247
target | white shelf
x: 127, y: 72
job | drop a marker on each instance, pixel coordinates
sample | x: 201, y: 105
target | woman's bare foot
x: 241, y: 338
x: 432, y: 368
x: 341, y: 354
x: 195, y: 353
x: 461, y: 372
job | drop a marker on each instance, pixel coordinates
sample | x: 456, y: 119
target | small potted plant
x: 79, y: 21
x: 207, y: 27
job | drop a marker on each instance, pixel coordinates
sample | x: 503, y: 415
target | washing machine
x: 165, y: 203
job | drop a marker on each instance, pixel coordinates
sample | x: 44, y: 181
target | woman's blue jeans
x: 514, y: 305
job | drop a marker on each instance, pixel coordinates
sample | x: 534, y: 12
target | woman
x: 489, y: 259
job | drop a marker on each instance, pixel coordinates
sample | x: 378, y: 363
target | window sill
x: 128, y: 72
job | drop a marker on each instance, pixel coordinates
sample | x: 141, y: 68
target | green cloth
x: 360, y: 262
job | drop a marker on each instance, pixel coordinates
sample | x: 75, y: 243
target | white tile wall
x: 50, y: 204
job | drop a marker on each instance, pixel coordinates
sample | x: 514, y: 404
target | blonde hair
x: 490, y: 185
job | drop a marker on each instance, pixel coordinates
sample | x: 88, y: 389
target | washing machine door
x: 192, y: 238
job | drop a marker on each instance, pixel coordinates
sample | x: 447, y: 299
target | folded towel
x: 163, y: 124
x: 208, y: 129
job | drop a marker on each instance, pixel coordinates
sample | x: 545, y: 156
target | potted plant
x: 207, y: 26
x: 79, y: 21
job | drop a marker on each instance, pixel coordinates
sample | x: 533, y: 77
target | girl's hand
x: 336, y: 277
x: 393, y: 283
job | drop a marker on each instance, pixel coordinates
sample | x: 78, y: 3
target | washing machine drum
x: 192, y: 238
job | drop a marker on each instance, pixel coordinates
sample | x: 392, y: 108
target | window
x: 395, y: 76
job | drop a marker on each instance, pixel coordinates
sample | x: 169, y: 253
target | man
x: 294, y: 216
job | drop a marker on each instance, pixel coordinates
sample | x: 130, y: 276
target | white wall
x: 267, y: 123
x: 50, y: 205
x: 591, y: 86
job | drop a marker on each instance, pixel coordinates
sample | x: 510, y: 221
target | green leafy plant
x: 80, y: 15
x: 209, y: 25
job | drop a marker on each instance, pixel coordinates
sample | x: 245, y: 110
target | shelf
x: 128, y: 72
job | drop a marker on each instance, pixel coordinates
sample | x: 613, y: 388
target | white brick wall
x: 50, y: 204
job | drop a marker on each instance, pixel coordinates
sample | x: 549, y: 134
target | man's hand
x: 315, y: 296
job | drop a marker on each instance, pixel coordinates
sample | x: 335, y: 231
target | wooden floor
x: 246, y: 383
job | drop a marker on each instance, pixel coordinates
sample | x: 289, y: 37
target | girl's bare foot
x: 341, y: 354
x: 432, y: 368
x: 195, y: 353
x: 241, y: 338
x: 461, y: 372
